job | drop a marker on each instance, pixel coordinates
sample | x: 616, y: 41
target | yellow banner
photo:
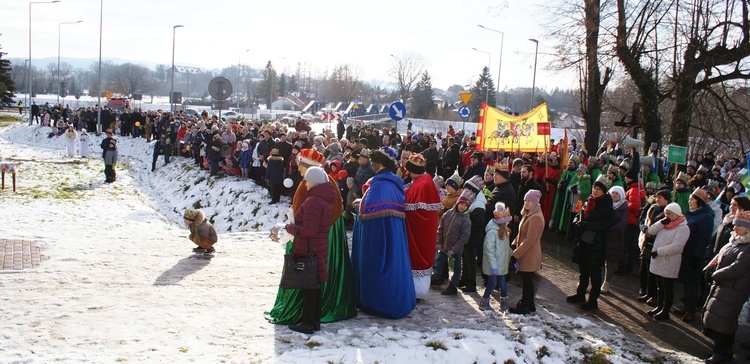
x: 498, y: 129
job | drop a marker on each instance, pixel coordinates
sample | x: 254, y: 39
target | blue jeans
x: 495, y: 282
x: 440, y: 262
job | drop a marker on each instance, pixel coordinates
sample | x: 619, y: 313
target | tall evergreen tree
x: 7, y: 86
x: 483, y: 89
x: 269, y: 84
x: 422, y: 104
x: 282, y: 85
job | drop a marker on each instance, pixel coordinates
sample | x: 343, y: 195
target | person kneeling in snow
x: 202, y: 233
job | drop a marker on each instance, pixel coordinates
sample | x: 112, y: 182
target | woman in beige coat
x: 528, y: 249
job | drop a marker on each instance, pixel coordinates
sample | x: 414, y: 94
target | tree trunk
x: 594, y: 92
x: 644, y: 80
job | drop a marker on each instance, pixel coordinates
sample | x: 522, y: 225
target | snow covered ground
x: 119, y: 286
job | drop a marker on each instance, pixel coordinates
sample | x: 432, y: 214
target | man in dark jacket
x: 503, y: 192
x: 476, y: 167
x: 527, y: 183
x: 431, y: 157
x: 285, y: 149
x: 472, y: 255
x: 340, y: 128
x: 34, y: 113
x: 515, y: 173
x: 451, y: 158
x: 364, y: 172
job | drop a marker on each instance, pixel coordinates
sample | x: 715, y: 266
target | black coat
x: 502, y: 193
x: 523, y: 188
x: 431, y: 160
x: 451, y: 158
x: 599, y: 221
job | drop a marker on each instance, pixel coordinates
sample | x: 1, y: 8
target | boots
x: 310, y: 312
x: 484, y: 304
x: 451, y: 290
x: 591, y: 304
x: 521, y: 309
x: 576, y: 298
x: 605, y: 287
x: 503, y: 304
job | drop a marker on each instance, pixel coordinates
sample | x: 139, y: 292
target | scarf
x: 590, y: 205
x: 674, y: 224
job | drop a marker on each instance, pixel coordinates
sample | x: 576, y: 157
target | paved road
x: 559, y: 278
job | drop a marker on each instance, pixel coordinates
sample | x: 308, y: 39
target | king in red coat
x: 422, y: 205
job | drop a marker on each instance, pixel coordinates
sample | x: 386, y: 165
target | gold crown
x: 606, y: 181
x: 417, y: 160
x: 702, y: 194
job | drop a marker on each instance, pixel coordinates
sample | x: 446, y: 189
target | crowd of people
x: 423, y: 204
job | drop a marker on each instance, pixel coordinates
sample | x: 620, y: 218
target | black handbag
x: 588, y: 237
x: 300, y: 273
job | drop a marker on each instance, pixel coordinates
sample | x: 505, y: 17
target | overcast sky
x: 320, y: 33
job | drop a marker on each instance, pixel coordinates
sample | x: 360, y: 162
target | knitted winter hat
x: 452, y: 183
x: 467, y: 197
x: 674, y: 208
x: 474, y: 184
x: 316, y: 176
x: 632, y: 174
x: 533, y: 196
x: 502, y: 170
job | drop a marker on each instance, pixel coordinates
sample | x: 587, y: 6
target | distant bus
x: 118, y: 103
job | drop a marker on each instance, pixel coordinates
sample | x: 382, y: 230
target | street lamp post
x: 59, y: 28
x: 99, y: 88
x: 239, y: 68
x: 26, y: 102
x: 171, y: 89
x: 489, y: 62
x: 30, y: 3
x: 533, y: 82
x: 502, y: 41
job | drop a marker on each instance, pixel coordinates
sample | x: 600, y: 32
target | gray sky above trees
x: 321, y: 33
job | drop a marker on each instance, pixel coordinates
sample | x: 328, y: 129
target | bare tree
x: 130, y: 78
x: 343, y: 84
x: 581, y: 46
x: 406, y: 69
x: 699, y: 44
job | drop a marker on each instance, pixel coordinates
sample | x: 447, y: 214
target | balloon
x: 137, y: 124
x: 288, y: 183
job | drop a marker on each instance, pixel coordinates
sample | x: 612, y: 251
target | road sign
x: 465, y: 97
x: 677, y: 154
x: 397, y: 111
x: 338, y: 115
x: 464, y: 111
x: 324, y: 117
x: 220, y: 88
x: 108, y: 94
